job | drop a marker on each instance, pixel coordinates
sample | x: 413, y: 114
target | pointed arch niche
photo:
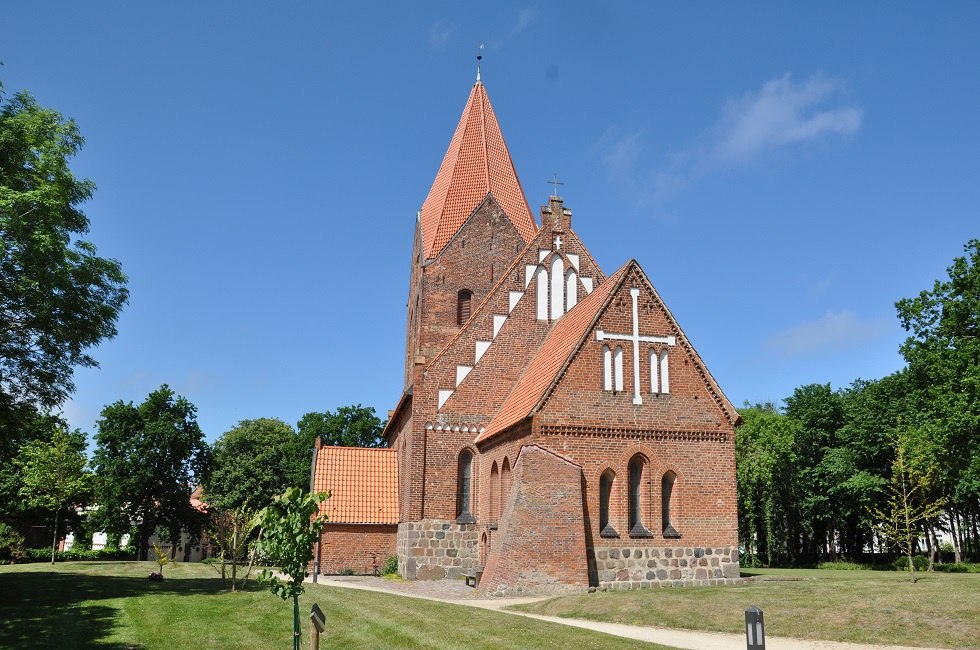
x: 668, y: 485
x: 464, y: 488
x: 639, y: 495
x: 606, y: 481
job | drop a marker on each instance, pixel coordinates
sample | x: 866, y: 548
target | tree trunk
x: 954, y: 532
x: 296, y: 632
x: 911, y: 566
x: 234, y: 554
x: 932, y: 544
x: 54, y: 544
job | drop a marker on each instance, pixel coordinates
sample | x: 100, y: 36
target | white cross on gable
x: 635, y: 339
x: 558, y: 243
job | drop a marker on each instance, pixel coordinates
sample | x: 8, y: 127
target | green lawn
x: 940, y: 610
x: 113, y: 605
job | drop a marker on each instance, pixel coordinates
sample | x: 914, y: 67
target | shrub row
x: 44, y: 554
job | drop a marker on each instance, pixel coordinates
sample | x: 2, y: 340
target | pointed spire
x: 476, y: 164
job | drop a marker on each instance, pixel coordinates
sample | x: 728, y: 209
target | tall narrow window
x: 605, y: 493
x: 607, y: 373
x: 637, y: 468
x: 666, y: 494
x: 464, y: 483
x: 464, y: 305
x: 542, y: 279
x: 494, y: 493
x: 571, y: 289
x: 664, y: 375
x: 654, y: 374
x: 618, y: 368
x: 504, y: 485
x: 557, y: 287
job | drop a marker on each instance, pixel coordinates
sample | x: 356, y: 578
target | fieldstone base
x: 433, y: 549
x: 644, y: 567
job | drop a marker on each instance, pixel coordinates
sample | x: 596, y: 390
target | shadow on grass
x: 56, y: 610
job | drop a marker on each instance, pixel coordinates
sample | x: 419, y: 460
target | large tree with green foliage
x: 254, y: 462
x: 53, y: 475
x: 348, y: 426
x: 58, y: 298
x: 147, y: 461
x: 943, y: 355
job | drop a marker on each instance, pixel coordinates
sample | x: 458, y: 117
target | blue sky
x: 783, y: 172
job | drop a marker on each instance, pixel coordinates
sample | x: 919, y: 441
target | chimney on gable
x: 556, y: 215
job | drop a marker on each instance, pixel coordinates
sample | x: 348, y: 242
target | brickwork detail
x: 355, y: 547
x: 632, y: 567
x: 433, y: 549
x: 540, y: 545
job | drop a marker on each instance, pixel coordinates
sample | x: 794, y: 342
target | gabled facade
x: 558, y: 430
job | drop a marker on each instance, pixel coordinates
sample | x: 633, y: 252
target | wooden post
x: 317, y: 625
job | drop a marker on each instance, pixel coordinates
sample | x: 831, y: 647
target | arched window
x: 666, y: 493
x: 571, y: 289
x: 464, y: 306
x: 557, y: 287
x: 464, y: 493
x: 494, y: 493
x: 504, y: 484
x: 618, y: 368
x: 542, y: 280
x: 605, y: 492
x: 607, y: 383
x: 637, y: 469
x: 664, y: 375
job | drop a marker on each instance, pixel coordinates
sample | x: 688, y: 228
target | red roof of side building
x: 564, y: 339
x: 476, y: 164
x: 363, y: 484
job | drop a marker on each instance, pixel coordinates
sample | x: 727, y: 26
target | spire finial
x: 556, y: 183
x: 479, y: 57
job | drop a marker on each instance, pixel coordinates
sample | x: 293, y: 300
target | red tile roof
x: 363, y: 484
x: 477, y: 163
x: 564, y: 339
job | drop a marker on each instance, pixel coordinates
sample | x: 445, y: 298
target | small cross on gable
x: 635, y: 338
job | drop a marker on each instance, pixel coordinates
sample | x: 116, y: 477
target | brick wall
x: 540, y: 544
x: 355, y: 546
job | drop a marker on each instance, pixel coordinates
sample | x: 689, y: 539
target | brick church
x: 557, y: 430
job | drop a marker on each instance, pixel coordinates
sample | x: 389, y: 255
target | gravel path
x: 456, y: 592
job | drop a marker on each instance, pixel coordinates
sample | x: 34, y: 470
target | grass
x: 940, y: 610
x: 112, y: 605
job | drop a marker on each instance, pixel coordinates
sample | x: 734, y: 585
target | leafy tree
x: 349, y: 426
x: 765, y: 452
x: 57, y: 297
x: 231, y: 530
x: 53, y: 474
x: 254, y: 462
x: 943, y: 355
x: 291, y: 526
x: 147, y: 460
x: 910, y: 502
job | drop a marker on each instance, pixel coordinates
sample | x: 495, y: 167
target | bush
x: 11, y: 545
x: 77, y: 554
x: 962, y: 567
x: 843, y: 566
x: 390, y: 567
x: 346, y: 571
x: 920, y: 562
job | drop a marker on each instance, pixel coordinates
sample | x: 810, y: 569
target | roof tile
x: 363, y: 484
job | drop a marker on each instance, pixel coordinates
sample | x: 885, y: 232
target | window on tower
x: 464, y: 306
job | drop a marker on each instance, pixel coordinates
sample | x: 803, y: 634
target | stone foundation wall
x: 432, y: 549
x: 639, y: 567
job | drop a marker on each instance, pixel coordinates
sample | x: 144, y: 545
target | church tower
x: 472, y: 224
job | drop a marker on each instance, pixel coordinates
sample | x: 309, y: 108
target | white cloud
x: 781, y: 114
x: 440, y: 33
x: 833, y: 332
x: 524, y: 20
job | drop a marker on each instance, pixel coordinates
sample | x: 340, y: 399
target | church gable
x: 479, y: 367
x: 636, y: 369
